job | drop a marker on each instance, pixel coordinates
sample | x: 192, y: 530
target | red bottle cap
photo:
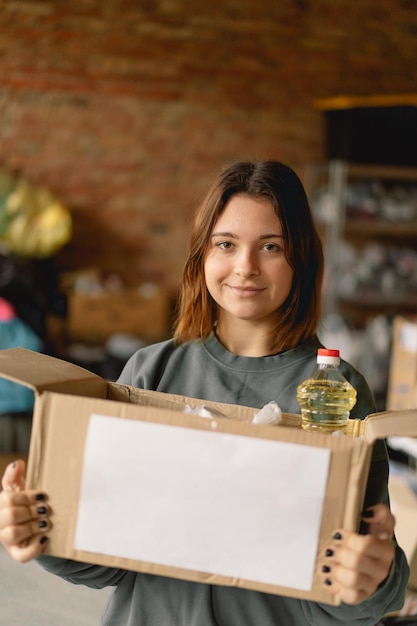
x: 325, y: 352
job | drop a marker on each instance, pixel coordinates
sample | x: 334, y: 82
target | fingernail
x: 41, y: 510
x: 329, y: 552
x: 39, y: 496
x: 337, y: 536
x: 368, y: 513
x: 328, y: 582
x: 14, y: 464
x: 326, y: 569
x: 43, y: 539
x: 42, y: 524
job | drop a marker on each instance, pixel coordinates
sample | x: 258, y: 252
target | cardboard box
x: 93, y: 318
x: 402, y: 380
x: 94, y: 441
x: 404, y: 507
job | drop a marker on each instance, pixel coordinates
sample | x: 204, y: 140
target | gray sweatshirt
x: 208, y: 371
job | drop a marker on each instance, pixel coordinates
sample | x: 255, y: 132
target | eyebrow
x: 232, y: 235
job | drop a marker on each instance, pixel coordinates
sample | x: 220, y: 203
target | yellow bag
x: 35, y: 223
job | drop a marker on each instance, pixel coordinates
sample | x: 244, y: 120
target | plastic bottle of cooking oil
x: 326, y: 398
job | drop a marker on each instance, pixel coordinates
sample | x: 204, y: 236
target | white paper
x: 202, y: 500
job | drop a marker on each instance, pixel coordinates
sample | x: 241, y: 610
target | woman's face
x: 246, y: 271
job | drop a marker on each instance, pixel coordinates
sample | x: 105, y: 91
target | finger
x: 345, y: 594
x: 29, y: 507
x: 29, y: 550
x: 11, y: 500
x: 373, y: 561
x: 20, y: 535
x: 14, y: 476
x: 347, y: 585
x: 365, y: 553
x: 377, y: 512
x: 380, y: 521
x: 353, y: 565
x: 351, y: 585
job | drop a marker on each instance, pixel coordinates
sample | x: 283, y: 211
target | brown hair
x: 298, y: 317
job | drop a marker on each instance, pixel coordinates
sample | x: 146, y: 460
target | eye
x: 224, y: 245
x: 272, y: 247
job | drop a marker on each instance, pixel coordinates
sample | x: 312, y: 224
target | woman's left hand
x: 352, y: 565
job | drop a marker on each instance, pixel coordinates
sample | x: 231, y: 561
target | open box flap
x: 41, y: 372
x: 389, y: 424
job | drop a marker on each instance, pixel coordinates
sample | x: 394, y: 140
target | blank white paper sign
x: 202, y: 500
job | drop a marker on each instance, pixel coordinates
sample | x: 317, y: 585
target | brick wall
x: 126, y: 108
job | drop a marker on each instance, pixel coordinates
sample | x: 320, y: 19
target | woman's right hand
x: 24, y: 516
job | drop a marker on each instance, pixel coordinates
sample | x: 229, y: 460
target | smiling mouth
x: 246, y: 291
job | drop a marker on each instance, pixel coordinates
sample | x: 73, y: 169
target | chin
x: 251, y: 316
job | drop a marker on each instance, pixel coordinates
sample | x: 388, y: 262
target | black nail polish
x: 42, y: 524
x: 328, y: 582
x: 368, y: 513
x: 326, y: 569
x: 39, y: 496
x: 329, y: 552
x: 337, y: 536
x: 43, y: 539
x: 41, y: 510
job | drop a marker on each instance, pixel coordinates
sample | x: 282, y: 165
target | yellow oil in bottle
x: 326, y: 400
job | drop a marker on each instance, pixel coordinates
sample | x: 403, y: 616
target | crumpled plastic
x: 33, y: 222
x: 203, y: 411
x: 270, y: 413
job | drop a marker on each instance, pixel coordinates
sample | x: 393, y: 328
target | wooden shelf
x: 367, y: 300
x: 382, y: 172
x: 359, y: 231
x: 364, y: 307
x: 378, y: 228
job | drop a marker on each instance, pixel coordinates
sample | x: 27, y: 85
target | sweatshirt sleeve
x: 94, y: 576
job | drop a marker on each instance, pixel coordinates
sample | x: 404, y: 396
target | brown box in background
x: 402, y: 381
x: 93, y: 318
x: 404, y: 507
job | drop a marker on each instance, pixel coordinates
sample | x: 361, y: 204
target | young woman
x: 246, y: 334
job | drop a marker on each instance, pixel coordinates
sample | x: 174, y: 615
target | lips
x: 245, y: 291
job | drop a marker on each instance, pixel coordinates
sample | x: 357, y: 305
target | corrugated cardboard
x: 66, y: 398
x: 404, y: 507
x: 402, y: 382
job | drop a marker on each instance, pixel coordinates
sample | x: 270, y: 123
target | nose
x: 246, y: 264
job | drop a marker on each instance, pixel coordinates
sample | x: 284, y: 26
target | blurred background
x: 114, y: 117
